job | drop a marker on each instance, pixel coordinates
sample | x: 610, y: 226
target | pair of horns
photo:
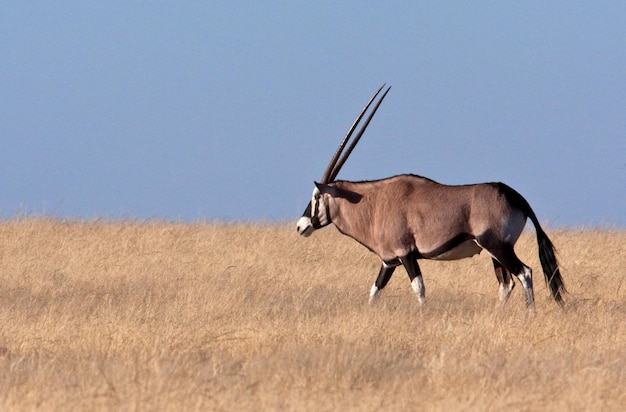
x: 336, y: 163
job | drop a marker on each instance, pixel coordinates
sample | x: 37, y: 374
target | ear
x: 334, y: 191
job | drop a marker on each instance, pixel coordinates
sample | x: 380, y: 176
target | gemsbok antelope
x: 405, y: 218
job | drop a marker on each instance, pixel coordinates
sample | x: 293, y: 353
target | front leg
x: 415, y: 275
x: 386, y: 270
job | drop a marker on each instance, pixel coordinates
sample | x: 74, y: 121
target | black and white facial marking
x: 315, y: 216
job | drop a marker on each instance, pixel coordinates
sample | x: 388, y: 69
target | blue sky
x: 230, y: 110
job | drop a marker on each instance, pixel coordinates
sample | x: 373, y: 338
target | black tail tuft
x: 549, y: 264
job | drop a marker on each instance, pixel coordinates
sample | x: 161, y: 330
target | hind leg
x: 504, y: 254
x: 526, y: 278
x: 386, y: 270
x: 511, y: 262
x: 505, y: 280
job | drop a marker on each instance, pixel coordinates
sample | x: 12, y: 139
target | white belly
x: 464, y: 250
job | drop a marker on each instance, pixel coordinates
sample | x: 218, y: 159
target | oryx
x: 407, y: 217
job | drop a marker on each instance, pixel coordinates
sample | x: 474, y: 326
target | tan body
x: 413, y: 213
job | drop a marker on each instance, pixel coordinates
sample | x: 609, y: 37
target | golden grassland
x: 108, y: 315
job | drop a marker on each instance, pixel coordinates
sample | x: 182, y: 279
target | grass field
x: 162, y: 316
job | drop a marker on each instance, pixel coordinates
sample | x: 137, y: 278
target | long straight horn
x: 345, y: 156
x: 328, y: 173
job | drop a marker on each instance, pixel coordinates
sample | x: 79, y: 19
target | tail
x: 548, y: 261
x: 547, y: 258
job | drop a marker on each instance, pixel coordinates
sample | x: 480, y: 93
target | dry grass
x: 162, y: 316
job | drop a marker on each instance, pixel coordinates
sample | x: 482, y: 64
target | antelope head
x: 316, y: 214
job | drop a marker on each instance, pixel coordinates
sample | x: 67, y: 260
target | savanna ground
x: 107, y: 315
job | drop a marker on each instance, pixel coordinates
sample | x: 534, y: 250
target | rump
x: 499, y: 210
